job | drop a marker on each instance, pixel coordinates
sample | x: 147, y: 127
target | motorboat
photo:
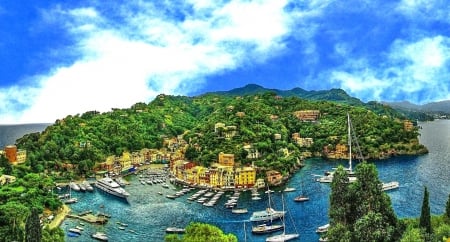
x: 100, y: 236
x: 390, y: 185
x: 323, y: 228
x: 265, y: 228
x: 108, y: 185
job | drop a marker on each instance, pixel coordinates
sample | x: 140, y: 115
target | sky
x: 60, y: 58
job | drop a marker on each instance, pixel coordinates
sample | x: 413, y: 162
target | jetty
x: 90, y: 218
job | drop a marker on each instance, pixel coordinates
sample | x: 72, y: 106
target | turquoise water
x: 147, y: 213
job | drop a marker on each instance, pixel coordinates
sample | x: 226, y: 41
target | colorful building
x: 245, y: 177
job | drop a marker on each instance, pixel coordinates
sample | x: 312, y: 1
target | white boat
x: 239, y: 210
x: 75, y: 230
x: 323, y: 228
x: 283, y: 236
x: 175, y: 230
x: 88, y: 186
x: 110, y: 186
x: 100, y: 236
x: 269, y: 214
x: 265, y: 229
x: 301, y: 198
x: 328, y: 177
x: 74, y: 186
x: 289, y: 189
x: 69, y: 199
x: 390, y: 185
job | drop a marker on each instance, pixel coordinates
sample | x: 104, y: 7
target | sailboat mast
x: 349, y: 144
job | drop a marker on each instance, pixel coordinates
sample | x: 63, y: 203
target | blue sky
x: 62, y: 58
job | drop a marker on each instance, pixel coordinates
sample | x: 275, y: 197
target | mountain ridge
x: 407, y: 109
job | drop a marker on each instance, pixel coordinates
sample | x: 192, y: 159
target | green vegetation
x: 200, y: 232
x: 361, y: 211
x: 425, y: 216
x: 84, y: 140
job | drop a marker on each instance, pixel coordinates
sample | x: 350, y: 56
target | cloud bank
x: 112, y: 55
x: 131, y: 52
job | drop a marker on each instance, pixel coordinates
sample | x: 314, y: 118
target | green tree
x: 33, y: 231
x: 425, y: 216
x: 4, y: 163
x: 447, y: 210
x: 412, y: 235
x: 201, y: 232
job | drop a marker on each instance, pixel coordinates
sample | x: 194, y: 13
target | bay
x: 148, y: 214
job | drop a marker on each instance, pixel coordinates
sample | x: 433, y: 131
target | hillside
x: 260, y: 124
x: 338, y: 96
x: 433, y: 109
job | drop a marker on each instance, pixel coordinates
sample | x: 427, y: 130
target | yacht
x: 284, y: 236
x: 88, y: 186
x: 267, y: 215
x: 265, y: 229
x: 323, y: 228
x: 390, y: 185
x: 100, y: 236
x: 301, y: 198
x: 110, y: 186
x: 74, y: 186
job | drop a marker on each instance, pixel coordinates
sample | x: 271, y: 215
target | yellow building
x: 226, y: 159
x: 245, y: 177
x: 21, y: 156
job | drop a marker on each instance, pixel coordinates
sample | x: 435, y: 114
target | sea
x: 147, y: 214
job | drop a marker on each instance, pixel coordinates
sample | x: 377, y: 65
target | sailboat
x: 70, y: 199
x: 269, y: 214
x: 328, y: 177
x: 302, y: 197
x: 283, y: 236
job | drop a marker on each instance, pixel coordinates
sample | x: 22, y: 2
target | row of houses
x: 223, y: 174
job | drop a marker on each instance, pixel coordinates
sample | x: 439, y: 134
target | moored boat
x: 265, y: 228
x: 175, y: 230
x: 390, y: 185
x: 301, y: 198
x: 100, y: 236
x: 323, y: 228
x: 239, y: 210
x: 110, y: 186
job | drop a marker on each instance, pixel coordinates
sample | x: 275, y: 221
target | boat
x: 175, y: 230
x: 328, y: 176
x: 239, y: 210
x: 74, y: 186
x: 323, y: 228
x: 265, y: 228
x: 289, y: 189
x: 100, y: 236
x: 283, y: 236
x: 390, y: 185
x: 75, y: 230
x: 69, y: 199
x: 110, y: 186
x: 301, y: 198
x: 269, y: 214
x: 88, y: 186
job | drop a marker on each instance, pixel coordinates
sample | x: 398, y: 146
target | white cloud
x: 417, y: 70
x: 146, y: 53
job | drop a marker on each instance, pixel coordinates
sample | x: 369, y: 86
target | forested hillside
x: 252, y: 120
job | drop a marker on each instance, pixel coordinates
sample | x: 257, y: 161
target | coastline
x: 60, y: 216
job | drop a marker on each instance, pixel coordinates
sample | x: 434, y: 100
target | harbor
x: 148, y: 212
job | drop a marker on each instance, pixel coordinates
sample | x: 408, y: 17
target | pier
x: 90, y: 218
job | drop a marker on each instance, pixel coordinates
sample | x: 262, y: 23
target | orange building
x: 226, y: 159
x: 11, y: 153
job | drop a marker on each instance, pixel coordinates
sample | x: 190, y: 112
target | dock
x: 90, y: 218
